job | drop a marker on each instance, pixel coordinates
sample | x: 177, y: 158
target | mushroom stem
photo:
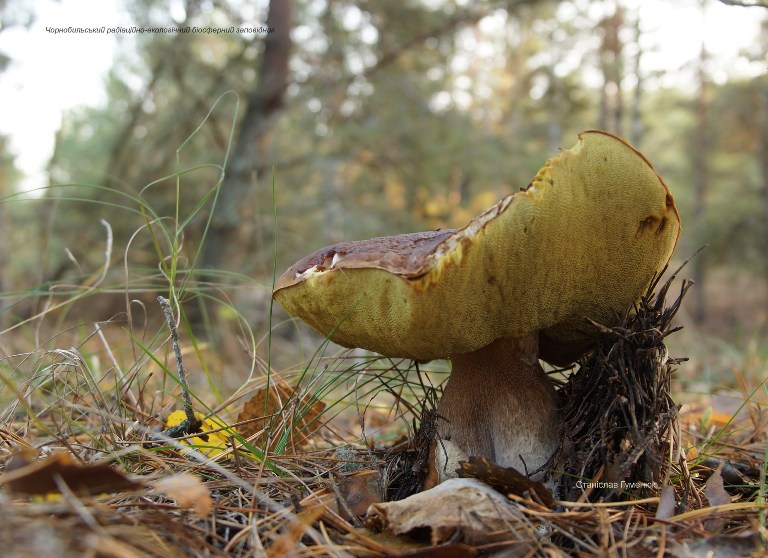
x: 498, y: 403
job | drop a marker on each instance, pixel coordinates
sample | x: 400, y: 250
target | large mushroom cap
x: 582, y: 241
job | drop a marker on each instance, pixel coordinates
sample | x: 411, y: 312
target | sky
x: 52, y: 73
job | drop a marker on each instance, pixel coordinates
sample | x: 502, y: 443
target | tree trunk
x: 636, y: 116
x: 762, y: 157
x: 611, y: 103
x: 6, y: 226
x: 700, y: 182
x: 223, y: 246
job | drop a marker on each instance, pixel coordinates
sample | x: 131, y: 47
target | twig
x: 192, y: 424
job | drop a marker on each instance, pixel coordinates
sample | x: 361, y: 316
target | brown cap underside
x: 404, y: 254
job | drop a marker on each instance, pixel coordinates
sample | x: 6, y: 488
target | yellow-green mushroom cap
x: 583, y: 240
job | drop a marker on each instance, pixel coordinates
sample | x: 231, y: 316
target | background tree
x: 762, y: 145
x: 393, y: 117
x: 700, y: 156
x: 227, y: 241
x: 612, y: 66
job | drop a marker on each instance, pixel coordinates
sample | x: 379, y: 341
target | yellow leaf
x: 208, y: 444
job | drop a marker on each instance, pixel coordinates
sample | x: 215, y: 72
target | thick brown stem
x: 498, y: 403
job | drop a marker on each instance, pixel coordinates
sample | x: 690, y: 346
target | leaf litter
x: 624, y: 485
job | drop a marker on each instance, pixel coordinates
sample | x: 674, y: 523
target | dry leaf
x: 24, y: 476
x: 506, y: 480
x: 457, y: 509
x: 719, y: 546
x: 666, y: 507
x: 714, y: 489
x: 716, y: 495
x: 403, y: 547
x: 731, y: 473
x: 360, y: 490
x: 452, y: 550
x: 303, y: 418
x: 285, y: 544
x: 188, y: 491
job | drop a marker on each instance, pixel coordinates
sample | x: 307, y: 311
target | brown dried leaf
x: 188, y: 491
x: 360, y: 490
x: 286, y: 544
x: 719, y: 546
x: 714, y: 489
x: 25, y: 476
x: 450, y: 550
x: 716, y: 495
x: 303, y: 418
x: 403, y: 547
x: 457, y: 509
x: 666, y: 507
x: 506, y: 480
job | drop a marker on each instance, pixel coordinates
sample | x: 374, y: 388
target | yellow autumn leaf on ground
x: 208, y: 444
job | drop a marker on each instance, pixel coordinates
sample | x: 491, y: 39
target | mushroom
x: 520, y: 282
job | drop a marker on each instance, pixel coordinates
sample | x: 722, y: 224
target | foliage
x: 398, y: 118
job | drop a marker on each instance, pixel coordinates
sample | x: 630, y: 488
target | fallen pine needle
x: 705, y: 512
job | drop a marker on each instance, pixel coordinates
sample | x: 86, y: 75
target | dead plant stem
x: 193, y: 423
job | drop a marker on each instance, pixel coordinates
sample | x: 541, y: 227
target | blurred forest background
x: 375, y: 118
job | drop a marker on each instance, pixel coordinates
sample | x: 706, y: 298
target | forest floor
x: 86, y: 470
